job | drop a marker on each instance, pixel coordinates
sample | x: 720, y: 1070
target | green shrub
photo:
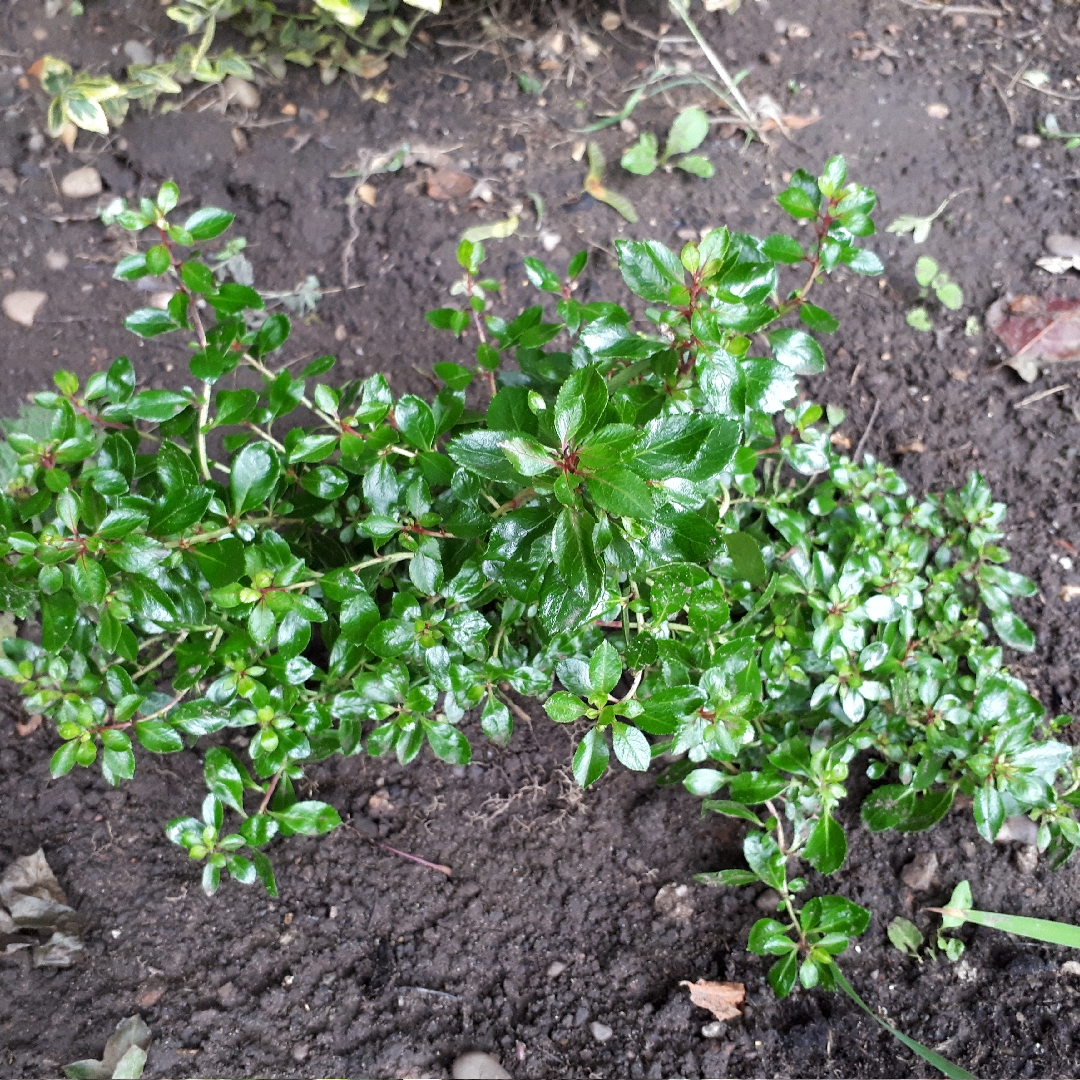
x: 335, y: 569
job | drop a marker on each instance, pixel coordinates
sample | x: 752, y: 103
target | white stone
x: 476, y: 1065
x: 22, y: 305
x: 237, y: 91
x: 1027, y: 859
x: 674, y: 902
x: 1063, y: 245
x: 1028, y: 142
x: 138, y: 53
x: 714, y: 1029
x: 549, y: 241
x: 600, y: 1032
x: 1071, y: 967
x: 1021, y: 829
x: 56, y: 260
x: 161, y: 299
x: 82, y: 183
x: 555, y: 969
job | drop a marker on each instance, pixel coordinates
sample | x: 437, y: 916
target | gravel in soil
x: 369, y: 965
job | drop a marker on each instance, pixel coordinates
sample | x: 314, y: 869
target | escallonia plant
x: 650, y: 515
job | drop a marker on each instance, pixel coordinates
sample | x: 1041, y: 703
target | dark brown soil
x: 372, y: 966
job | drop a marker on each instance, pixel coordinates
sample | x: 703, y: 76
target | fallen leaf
x: 124, y: 1056
x: 448, y: 184
x: 1057, y: 264
x: 788, y: 121
x: 1069, y: 593
x: 919, y: 227
x: 498, y: 230
x: 916, y: 446
x: 722, y: 999
x: 840, y: 441
x: 367, y: 193
x: 1036, y: 331
x: 35, y: 903
x: 31, y: 725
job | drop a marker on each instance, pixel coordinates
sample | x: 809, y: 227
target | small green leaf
x: 591, y: 758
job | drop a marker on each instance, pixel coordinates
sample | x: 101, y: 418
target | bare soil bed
x: 372, y: 966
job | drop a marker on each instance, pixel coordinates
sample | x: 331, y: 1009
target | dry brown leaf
x: 367, y: 193
x: 916, y: 446
x: 31, y: 725
x: 1036, y: 331
x: 722, y: 999
x: 791, y: 121
x: 449, y: 184
x: 840, y: 441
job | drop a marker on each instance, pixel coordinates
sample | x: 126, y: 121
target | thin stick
x: 866, y: 434
x: 404, y: 854
x: 681, y: 8
x: 1032, y: 398
x: 952, y: 9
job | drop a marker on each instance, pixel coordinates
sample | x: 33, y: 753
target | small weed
x: 687, y: 133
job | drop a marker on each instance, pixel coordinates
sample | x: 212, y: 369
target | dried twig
x: 856, y: 457
x: 1032, y: 398
x: 953, y: 9
x: 681, y: 8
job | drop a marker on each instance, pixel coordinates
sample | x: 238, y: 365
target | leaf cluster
x: 335, y: 35
x: 688, y: 132
x: 640, y: 512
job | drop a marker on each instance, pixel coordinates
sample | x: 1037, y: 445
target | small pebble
x: 9, y: 182
x: 1027, y: 859
x: 675, y: 902
x: 56, y: 260
x: 714, y: 1030
x: 23, y: 305
x: 237, y: 91
x: 161, y: 299
x: 919, y: 873
x: 1059, y: 244
x: 138, y: 53
x: 1028, y: 142
x: 555, y: 969
x: 82, y: 183
x: 1071, y: 967
x: 1021, y: 829
x: 549, y: 241
x: 769, y: 900
x: 299, y: 1052
x: 610, y: 20
x: 476, y: 1065
x: 937, y: 111
x: 600, y: 1032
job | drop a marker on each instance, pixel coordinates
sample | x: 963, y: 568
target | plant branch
x: 682, y: 9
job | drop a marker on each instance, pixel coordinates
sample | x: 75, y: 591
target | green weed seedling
x: 959, y: 910
x: 687, y: 133
x: 1051, y: 129
x: 931, y: 278
x: 647, y: 513
x: 807, y: 940
x: 908, y: 938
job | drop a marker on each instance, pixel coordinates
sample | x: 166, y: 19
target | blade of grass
x: 1039, y: 929
x: 953, y: 1072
